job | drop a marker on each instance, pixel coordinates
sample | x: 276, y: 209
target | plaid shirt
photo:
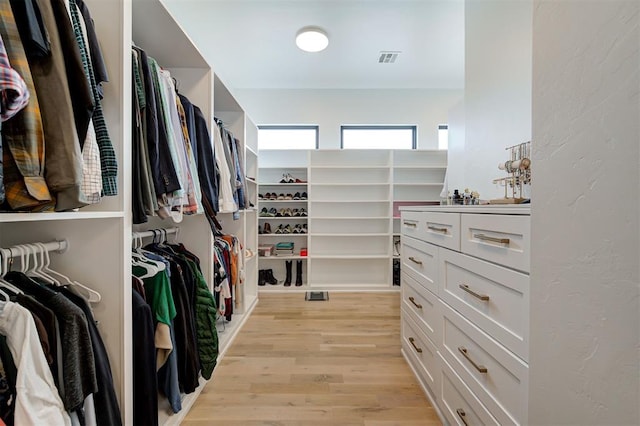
x: 22, y: 135
x: 13, y: 90
x: 108, y: 161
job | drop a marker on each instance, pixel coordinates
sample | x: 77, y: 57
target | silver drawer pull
x: 466, y: 288
x: 460, y: 412
x: 413, y: 343
x: 411, y: 258
x: 417, y: 305
x: 410, y: 224
x: 492, y: 239
x: 480, y: 368
x: 436, y: 229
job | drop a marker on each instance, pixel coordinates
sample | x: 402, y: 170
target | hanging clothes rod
x: 154, y: 232
x: 57, y: 246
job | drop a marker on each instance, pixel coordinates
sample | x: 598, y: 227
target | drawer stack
x: 465, y: 310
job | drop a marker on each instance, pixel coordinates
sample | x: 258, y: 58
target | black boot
x: 298, y: 273
x: 261, y: 277
x: 268, y: 277
x: 289, y: 265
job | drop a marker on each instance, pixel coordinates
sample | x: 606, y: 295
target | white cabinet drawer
x: 442, y: 229
x: 458, y: 404
x: 411, y: 224
x: 423, y: 306
x: 422, y: 353
x: 503, y: 239
x: 494, y: 298
x: 497, y: 377
x: 419, y: 260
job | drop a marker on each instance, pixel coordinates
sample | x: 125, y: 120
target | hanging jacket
x: 205, y: 324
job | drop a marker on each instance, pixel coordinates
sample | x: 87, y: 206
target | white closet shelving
x: 99, y: 236
x: 274, y: 167
x: 196, y: 79
x: 353, y: 196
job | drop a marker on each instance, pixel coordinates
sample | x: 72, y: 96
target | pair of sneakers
x: 272, y: 212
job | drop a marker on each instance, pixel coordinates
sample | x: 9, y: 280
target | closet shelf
x: 282, y: 201
x: 443, y: 167
x: 283, y: 257
x: 352, y: 167
x: 283, y: 218
x: 350, y: 235
x: 350, y: 201
x: 351, y: 184
x: 350, y: 218
x: 419, y: 184
x: 37, y: 217
x: 282, y: 235
x: 283, y: 184
x: 351, y: 256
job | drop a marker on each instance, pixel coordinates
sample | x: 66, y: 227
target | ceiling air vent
x: 388, y: 57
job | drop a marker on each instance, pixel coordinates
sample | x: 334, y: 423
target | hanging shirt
x: 22, y: 136
x: 226, y: 202
x: 37, y: 399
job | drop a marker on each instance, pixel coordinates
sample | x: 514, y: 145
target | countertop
x: 515, y: 209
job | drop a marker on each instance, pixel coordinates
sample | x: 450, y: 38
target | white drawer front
x: 423, y: 306
x: 496, y: 377
x: 423, y: 353
x: 457, y: 402
x: 411, y: 224
x: 442, y: 229
x: 494, y: 298
x: 502, y: 239
x: 419, y: 260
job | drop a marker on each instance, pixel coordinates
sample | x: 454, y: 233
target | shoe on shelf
x: 304, y: 229
x: 261, y: 277
x: 288, y: 197
x: 267, y: 228
x: 279, y: 229
x: 295, y: 213
x: 273, y: 196
x: 272, y: 212
x: 303, y: 212
x: 298, y: 273
x: 287, y: 213
x: 260, y: 197
x: 288, y: 265
x: 284, y: 178
x: 280, y: 197
x: 268, y: 277
x: 287, y: 229
x: 279, y: 213
x: 296, y: 196
x: 264, y: 212
x: 259, y: 229
x: 297, y: 229
x: 300, y: 181
x: 303, y: 196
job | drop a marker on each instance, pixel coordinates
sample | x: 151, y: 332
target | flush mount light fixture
x: 312, y: 39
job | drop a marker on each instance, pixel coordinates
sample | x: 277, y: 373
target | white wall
x: 332, y: 108
x: 497, y: 101
x: 585, y: 314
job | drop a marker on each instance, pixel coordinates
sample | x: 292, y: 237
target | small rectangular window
x: 378, y: 137
x: 443, y: 136
x: 287, y: 137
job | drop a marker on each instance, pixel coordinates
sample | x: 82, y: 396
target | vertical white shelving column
x: 274, y: 165
x: 350, y: 219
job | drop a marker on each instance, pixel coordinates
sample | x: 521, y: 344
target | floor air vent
x: 316, y: 295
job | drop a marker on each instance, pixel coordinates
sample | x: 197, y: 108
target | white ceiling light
x: 312, y: 39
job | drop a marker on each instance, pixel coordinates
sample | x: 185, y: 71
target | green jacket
x: 206, y: 332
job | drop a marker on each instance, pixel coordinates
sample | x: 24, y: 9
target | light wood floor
x: 334, y: 362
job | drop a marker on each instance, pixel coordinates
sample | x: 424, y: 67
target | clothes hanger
x: 35, y: 270
x: 88, y: 293
x: 3, y: 270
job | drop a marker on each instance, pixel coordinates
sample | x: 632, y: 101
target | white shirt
x: 37, y: 398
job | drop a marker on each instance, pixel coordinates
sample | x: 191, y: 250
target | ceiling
x: 251, y: 43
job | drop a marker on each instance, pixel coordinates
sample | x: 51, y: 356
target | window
x: 378, y: 137
x: 287, y: 137
x: 443, y: 136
